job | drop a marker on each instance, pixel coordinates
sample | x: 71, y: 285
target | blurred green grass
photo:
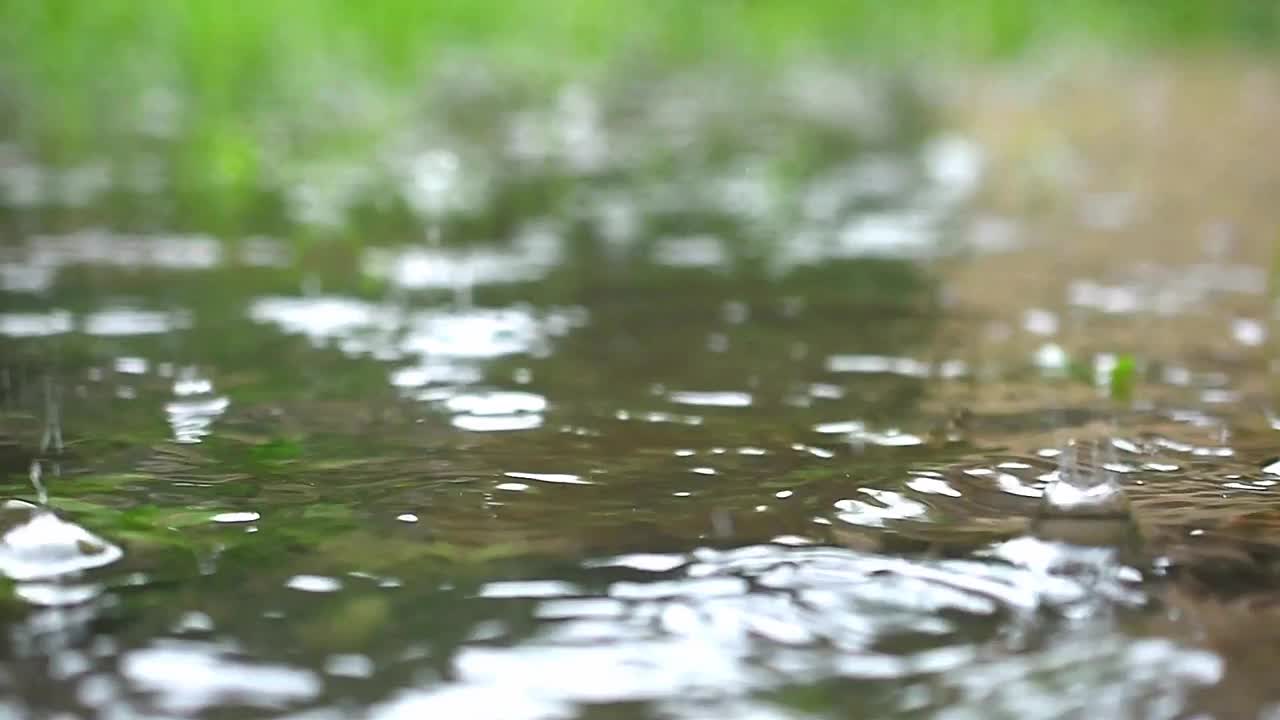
x: 78, y: 78
x: 62, y: 62
x: 70, y: 51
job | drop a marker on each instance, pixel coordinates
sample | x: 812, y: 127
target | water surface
x: 694, y: 400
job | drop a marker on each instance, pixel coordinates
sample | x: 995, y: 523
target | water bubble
x: 38, y: 545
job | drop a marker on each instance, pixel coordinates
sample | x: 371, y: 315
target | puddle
x: 675, y: 400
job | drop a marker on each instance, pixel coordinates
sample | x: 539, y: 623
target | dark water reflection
x: 664, y: 414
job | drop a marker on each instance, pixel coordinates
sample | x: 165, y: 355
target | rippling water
x: 657, y: 409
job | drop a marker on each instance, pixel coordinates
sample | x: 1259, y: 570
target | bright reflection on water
x: 712, y: 625
x: 661, y: 402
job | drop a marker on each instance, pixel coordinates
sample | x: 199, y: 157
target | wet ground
x: 833, y: 396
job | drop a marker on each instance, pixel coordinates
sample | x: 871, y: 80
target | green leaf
x: 1123, y: 377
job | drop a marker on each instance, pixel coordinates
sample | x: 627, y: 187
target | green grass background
x: 76, y: 76
x: 70, y: 53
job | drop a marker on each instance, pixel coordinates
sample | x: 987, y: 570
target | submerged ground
x: 699, y: 396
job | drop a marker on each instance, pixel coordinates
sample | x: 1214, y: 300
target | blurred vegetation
x: 65, y: 63
x: 228, y: 93
x: 218, y: 45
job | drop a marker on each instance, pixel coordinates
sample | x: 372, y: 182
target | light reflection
x: 349, y: 665
x: 243, y: 516
x: 711, y: 399
x: 192, y: 418
x: 553, y: 478
x: 107, y: 248
x: 56, y: 322
x: 497, y: 423
x: 738, y: 622
x: 906, y: 367
x: 55, y: 594
x: 473, y: 334
x: 314, y: 583
x: 696, y: 252
x: 319, y: 318
x: 433, y: 372
x: 437, y: 268
x: 529, y: 589
x: 888, y: 506
x: 434, y: 182
x: 128, y: 321
x: 185, y: 678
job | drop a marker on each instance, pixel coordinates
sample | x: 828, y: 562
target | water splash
x: 1085, y: 484
x: 38, y: 545
x: 51, y: 440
